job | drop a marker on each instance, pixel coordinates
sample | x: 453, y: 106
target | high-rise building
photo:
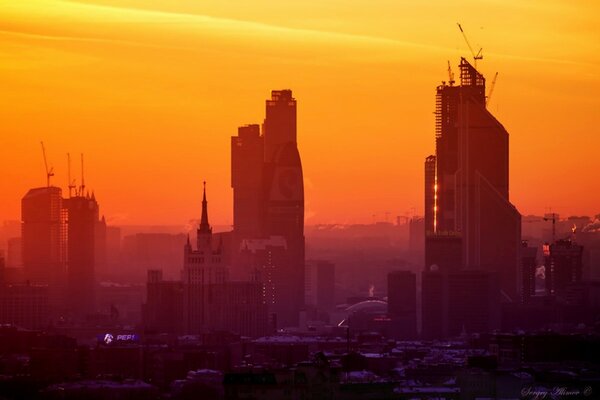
x: 402, y: 302
x: 44, y: 235
x: 563, y: 266
x: 528, y: 269
x: 202, y: 266
x: 269, y: 197
x: 83, y: 218
x: 320, y: 284
x: 247, y: 164
x: 468, y: 195
x: 163, y: 310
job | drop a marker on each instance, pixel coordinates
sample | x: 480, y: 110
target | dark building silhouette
x: 320, y: 284
x: 44, y: 235
x: 469, y: 194
x: 202, y: 266
x: 83, y: 228
x: 458, y: 302
x: 269, y: 199
x: 473, y: 302
x: 402, y: 302
x: 443, y: 251
x: 44, y: 238
x: 434, y: 304
x: 528, y: 265
x: 563, y: 266
x: 247, y: 164
x: 163, y: 310
x: 211, y: 301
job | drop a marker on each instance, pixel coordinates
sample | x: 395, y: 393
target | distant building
x: 473, y: 302
x: 563, y: 266
x: 24, y: 305
x: 459, y: 301
x: 528, y: 271
x: 402, y: 302
x: 266, y: 261
x: 320, y: 284
x: 44, y: 235
x: 434, y: 305
x: 163, y: 310
x: 83, y: 218
x: 14, y: 252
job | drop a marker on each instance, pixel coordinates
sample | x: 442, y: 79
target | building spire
x: 204, y: 225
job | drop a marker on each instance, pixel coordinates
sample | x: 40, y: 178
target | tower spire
x: 204, y: 225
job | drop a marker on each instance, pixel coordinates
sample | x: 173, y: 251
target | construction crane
x: 489, y: 95
x: 71, y: 182
x: 552, y: 217
x: 450, y: 75
x: 49, y: 172
x: 82, y: 186
x: 476, y: 56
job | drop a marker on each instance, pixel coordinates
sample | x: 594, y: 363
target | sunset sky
x: 151, y: 92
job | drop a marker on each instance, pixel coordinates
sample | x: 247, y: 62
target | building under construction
x: 467, y: 183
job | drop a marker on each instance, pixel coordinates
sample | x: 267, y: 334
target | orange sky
x: 151, y: 92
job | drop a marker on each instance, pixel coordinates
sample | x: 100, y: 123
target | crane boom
x: 71, y: 182
x: 489, y: 96
x: 476, y: 56
x: 49, y: 172
x: 82, y: 187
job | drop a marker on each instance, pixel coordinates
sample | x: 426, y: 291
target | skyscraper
x: 269, y: 197
x: 247, y: 164
x: 83, y: 221
x: 468, y: 194
x: 44, y: 235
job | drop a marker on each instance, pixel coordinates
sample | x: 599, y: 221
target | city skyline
x: 151, y: 128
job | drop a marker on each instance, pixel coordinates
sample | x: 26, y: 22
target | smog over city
x: 285, y: 200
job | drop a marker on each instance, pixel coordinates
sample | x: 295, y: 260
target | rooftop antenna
x: 476, y: 56
x: 49, y: 172
x: 82, y: 186
x: 489, y: 95
x: 71, y: 182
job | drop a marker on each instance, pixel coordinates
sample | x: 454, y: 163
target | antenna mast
x: 49, y: 172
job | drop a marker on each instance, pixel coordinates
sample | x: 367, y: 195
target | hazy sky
x: 151, y: 92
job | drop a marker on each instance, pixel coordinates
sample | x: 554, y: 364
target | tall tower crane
x: 49, y: 172
x: 552, y: 217
x: 489, y: 95
x: 82, y: 186
x: 71, y: 182
x: 476, y: 56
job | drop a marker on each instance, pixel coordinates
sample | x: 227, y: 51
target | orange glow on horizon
x: 151, y: 94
